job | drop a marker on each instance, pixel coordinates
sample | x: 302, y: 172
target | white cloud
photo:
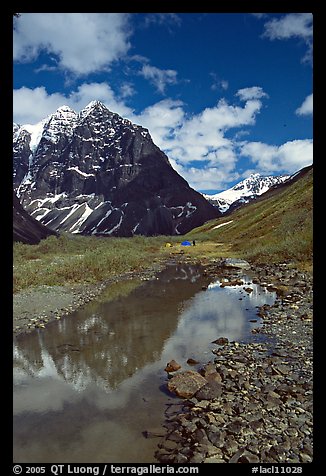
x: 160, y: 78
x: 207, y: 178
x: 200, y: 137
x: 32, y: 105
x: 127, y: 90
x: 255, y: 92
x: 306, y: 108
x: 218, y: 84
x: 292, y: 25
x: 288, y: 157
x: 163, y: 119
x: 83, y: 42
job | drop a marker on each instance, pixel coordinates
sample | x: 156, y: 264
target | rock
x: 209, y: 391
x: 215, y: 436
x: 235, y: 426
x: 213, y: 377
x: 248, y: 290
x: 233, y: 282
x: 186, y: 384
x: 248, y: 457
x: 214, y: 459
x: 154, y: 433
x: 235, y: 263
x: 191, y: 361
x: 221, y: 341
x: 172, y: 366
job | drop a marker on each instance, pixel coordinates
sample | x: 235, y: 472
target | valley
x: 96, y: 317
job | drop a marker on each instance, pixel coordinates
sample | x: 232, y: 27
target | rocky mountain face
x: 27, y: 229
x: 245, y: 191
x: 97, y: 173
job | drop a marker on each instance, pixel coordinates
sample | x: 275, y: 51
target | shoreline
x: 34, y: 308
x: 256, y: 406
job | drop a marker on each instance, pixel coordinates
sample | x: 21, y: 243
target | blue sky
x: 222, y: 94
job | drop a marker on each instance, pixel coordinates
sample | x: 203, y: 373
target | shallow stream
x: 88, y: 385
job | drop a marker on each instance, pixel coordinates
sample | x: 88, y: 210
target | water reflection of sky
x: 216, y: 312
x: 117, y: 355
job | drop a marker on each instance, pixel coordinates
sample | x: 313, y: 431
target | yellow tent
x: 168, y: 245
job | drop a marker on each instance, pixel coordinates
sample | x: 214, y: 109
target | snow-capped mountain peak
x: 244, y: 191
x: 98, y: 173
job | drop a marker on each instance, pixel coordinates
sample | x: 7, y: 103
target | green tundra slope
x: 274, y: 228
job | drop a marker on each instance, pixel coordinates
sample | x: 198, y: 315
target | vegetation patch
x: 82, y: 259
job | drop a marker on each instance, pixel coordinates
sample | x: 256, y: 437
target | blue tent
x: 186, y: 243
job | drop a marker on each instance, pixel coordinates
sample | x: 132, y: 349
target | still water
x: 87, y: 386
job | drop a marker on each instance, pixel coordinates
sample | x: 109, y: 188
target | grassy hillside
x: 275, y: 228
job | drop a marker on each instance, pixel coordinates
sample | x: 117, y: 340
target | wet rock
x: 172, y: 366
x: 186, y: 384
x: 191, y: 361
x: 221, y: 341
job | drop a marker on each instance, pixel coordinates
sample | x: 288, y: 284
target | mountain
x: 97, y: 173
x: 244, y: 191
x: 25, y: 228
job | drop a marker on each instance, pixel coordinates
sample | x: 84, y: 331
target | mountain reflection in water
x: 88, y: 385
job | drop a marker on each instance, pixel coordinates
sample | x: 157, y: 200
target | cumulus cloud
x: 206, y: 178
x: 83, y: 42
x: 163, y: 119
x: 255, y: 92
x: 32, y: 105
x: 288, y: 157
x: 306, y: 108
x: 292, y: 25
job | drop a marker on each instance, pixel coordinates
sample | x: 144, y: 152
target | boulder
x: 186, y: 384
